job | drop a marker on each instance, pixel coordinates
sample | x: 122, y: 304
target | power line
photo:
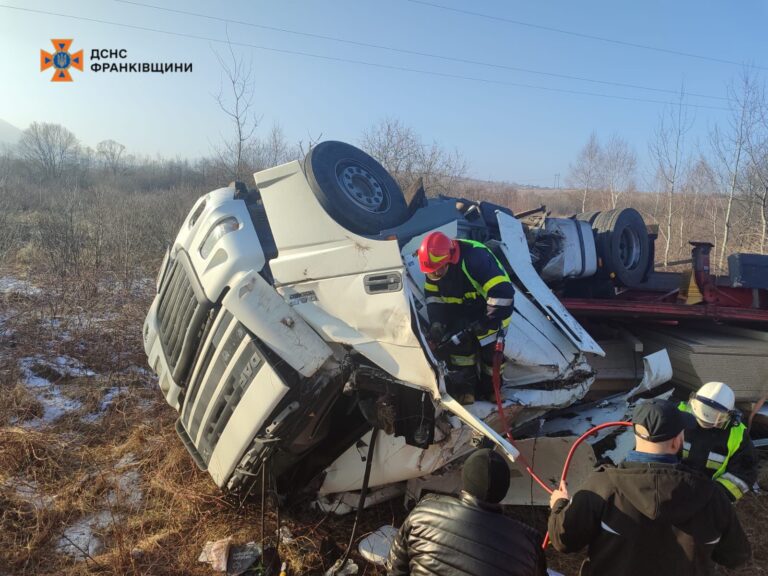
x: 417, y: 52
x: 364, y: 63
x: 580, y: 34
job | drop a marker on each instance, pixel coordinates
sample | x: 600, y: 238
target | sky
x: 483, y: 78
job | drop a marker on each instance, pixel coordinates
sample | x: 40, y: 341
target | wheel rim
x: 362, y: 188
x: 629, y: 248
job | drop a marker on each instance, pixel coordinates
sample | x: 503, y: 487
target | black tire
x: 354, y: 189
x: 622, y: 244
x: 588, y: 216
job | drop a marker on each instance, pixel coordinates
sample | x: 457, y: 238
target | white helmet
x: 712, y: 405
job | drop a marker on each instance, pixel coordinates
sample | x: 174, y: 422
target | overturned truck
x: 289, y: 321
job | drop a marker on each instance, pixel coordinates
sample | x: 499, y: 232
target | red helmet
x: 436, y: 251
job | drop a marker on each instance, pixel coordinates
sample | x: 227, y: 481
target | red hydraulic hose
x: 497, y: 357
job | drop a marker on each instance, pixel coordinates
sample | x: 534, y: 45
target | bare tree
x: 237, y: 105
x: 272, y: 150
x: 61, y: 233
x: 700, y: 184
x: 48, y: 148
x: 111, y: 154
x: 401, y: 151
x: 668, y: 152
x: 617, y: 167
x: 730, y: 147
x: 757, y: 150
x: 585, y: 173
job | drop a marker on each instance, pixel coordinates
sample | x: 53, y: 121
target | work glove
x: 485, y: 325
x: 436, y: 332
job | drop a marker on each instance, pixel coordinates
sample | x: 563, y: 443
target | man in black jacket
x: 469, y: 535
x: 652, y: 514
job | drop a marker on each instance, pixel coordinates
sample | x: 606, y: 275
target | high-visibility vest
x: 733, y: 484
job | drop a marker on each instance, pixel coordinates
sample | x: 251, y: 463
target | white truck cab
x: 289, y: 323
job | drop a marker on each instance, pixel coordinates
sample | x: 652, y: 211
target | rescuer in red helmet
x: 466, y: 289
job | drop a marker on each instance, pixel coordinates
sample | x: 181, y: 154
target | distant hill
x: 9, y: 134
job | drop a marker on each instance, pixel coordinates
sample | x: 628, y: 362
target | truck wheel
x: 622, y: 243
x: 355, y: 190
x: 588, y: 216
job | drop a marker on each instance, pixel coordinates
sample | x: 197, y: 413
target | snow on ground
x: 27, y: 490
x: 9, y: 284
x: 55, y: 404
x: 82, y: 538
x: 84, y: 535
x: 106, y: 401
x: 128, y: 492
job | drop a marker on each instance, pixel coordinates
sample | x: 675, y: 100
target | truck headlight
x: 221, y: 228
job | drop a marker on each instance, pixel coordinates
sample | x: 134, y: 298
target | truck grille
x: 226, y: 370
x: 181, y: 313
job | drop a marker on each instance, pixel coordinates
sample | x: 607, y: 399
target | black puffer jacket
x: 449, y: 536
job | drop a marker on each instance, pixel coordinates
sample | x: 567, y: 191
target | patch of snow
x: 72, y: 367
x: 126, y: 461
x: 140, y: 370
x: 29, y: 491
x: 9, y: 284
x: 106, y: 402
x: 54, y: 403
x: 80, y: 538
x: 127, y: 490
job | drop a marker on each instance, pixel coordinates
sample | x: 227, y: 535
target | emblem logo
x: 61, y: 60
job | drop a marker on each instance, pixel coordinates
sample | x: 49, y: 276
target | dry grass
x: 128, y: 469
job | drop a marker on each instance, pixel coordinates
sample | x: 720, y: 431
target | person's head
x: 436, y: 252
x: 659, y: 427
x: 712, y: 405
x: 486, y: 476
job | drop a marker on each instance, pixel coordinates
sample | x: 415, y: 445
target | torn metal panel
x: 546, y: 456
x: 376, y: 325
x: 346, y: 502
x: 255, y: 303
x: 515, y: 248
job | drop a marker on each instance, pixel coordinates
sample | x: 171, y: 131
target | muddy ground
x: 93, y: 479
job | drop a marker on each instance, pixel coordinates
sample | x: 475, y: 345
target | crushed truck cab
x: 289, y: 322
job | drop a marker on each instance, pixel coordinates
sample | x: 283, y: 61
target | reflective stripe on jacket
x: 476, y: 288
x: 725, y: 454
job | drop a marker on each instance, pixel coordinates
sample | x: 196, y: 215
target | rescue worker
x: 720, y: 445
x: 469, y: 535
x: 651, y: 514
x: 467, y: 292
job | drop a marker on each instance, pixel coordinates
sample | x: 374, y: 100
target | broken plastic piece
x: 349, y: 568
x: 215, y: 554
x: 241, y: 558
x: 375, y: 547
x: 285, y: 535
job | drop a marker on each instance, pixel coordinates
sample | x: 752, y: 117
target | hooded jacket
x: 649, y: 518
x: 464, y: 536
